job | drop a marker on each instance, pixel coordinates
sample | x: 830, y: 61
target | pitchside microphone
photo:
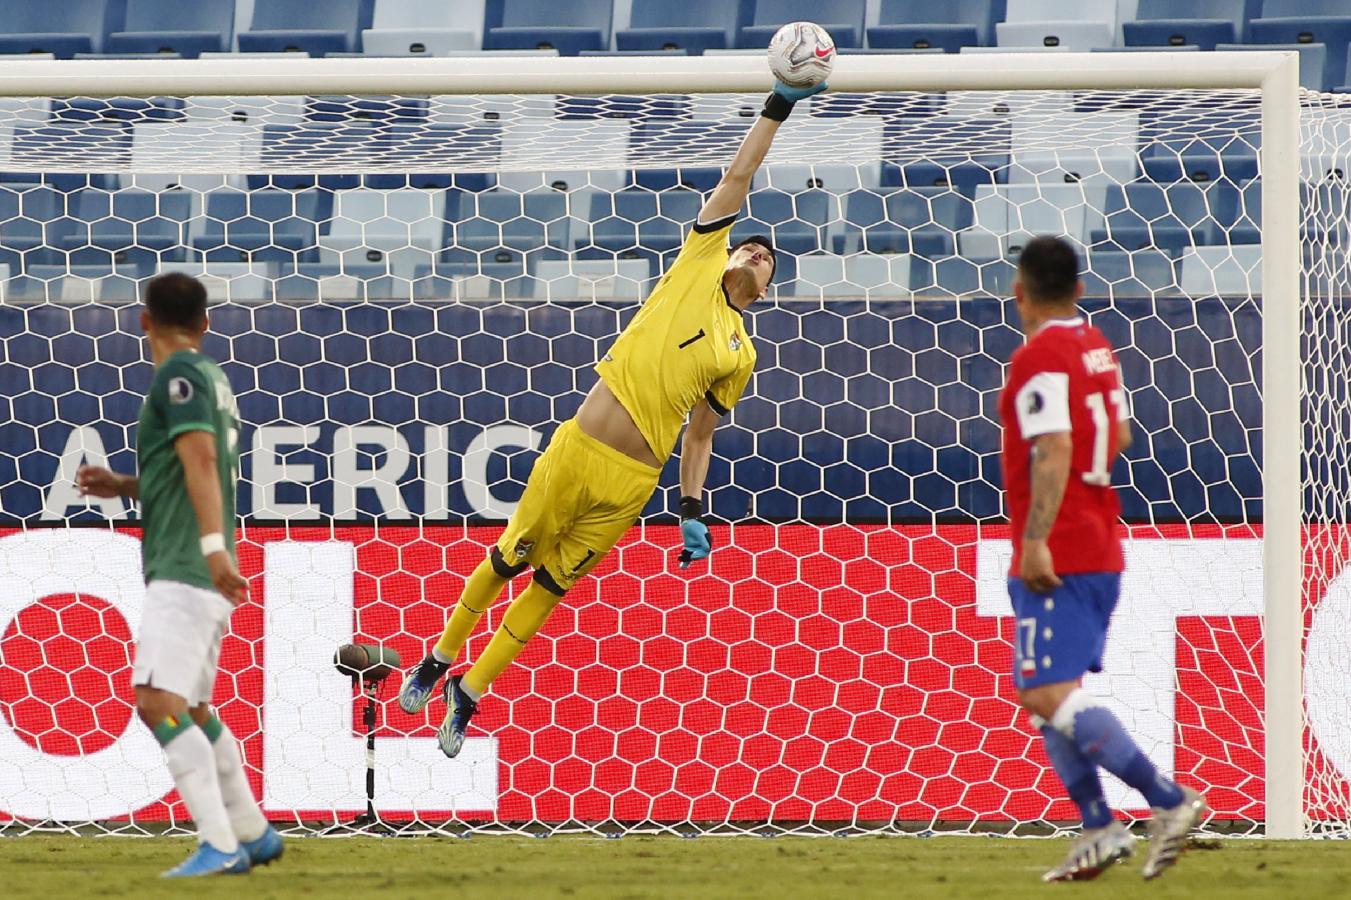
x: 368, y: 662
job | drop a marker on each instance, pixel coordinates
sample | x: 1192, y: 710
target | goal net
x: 408, y: 295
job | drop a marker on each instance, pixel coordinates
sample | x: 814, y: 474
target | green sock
x: 171, y: 727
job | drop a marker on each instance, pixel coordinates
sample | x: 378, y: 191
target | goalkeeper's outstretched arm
x: 696, y: 447
x: 731, y: 191
x: 730, y: 194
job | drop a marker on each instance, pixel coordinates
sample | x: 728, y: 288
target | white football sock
x: 193, y: 766
x: 246, y: 819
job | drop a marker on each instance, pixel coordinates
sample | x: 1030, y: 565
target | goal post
x: 1136, y: 78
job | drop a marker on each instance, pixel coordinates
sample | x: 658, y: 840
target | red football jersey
x: 1066, y: 378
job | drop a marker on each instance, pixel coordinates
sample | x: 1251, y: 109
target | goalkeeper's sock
x: 246, y: 819
x: 481, y: 590
x: 524, y: 618
x: 1099, y: 736
x: 193, y: 767
x: 1078, y: 774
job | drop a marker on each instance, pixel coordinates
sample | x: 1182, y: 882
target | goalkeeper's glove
x: 698, y: 541
x: 780, y: 102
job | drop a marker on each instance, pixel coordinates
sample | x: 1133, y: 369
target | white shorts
x: 178, y: 646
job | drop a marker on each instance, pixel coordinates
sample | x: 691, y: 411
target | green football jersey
x: 189, y: 393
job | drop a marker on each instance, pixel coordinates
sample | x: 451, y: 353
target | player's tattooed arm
x: 1050, y: 472
x: 97, y: 481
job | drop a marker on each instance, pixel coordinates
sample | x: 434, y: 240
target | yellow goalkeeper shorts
x: 579, y: 500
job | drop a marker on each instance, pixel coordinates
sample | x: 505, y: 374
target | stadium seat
x: 1221, y: 271
x: 529, y: 144
x: 172, y: 26
x: 1314, y: 71
x: 1316, y: 25
x: 921, y: 23
x: 61, y: 28
x: 510, y: 227
x: 1167, y: 217
x: 693, y: 25
x: 28, y: 229
x: 1177, y: 23
x: 258, y: 226
x: 396, y: 230
x: 419, y: 28
x: 864, y: 275
x: 1143, y: 273
x: 567, y: 27
x: 1060, y: 11
x: 586, y: 279
x: 1077, y: 36
x: 1005, y: 215
x: 922, y: 220
x: 306, y: 26
x: 842, y: 18
x: 128, y: 227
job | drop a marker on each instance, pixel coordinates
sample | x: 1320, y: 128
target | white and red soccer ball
x: 801, y: 54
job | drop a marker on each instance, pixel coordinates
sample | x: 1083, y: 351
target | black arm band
x: 691, y: 508
x: 777, y: 107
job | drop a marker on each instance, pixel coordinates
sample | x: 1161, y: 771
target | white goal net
x: 408, y: 295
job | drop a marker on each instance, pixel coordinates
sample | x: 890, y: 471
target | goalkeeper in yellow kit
x: 685, y: 354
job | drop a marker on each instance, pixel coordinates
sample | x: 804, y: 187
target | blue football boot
x: 207, y: 860
x: 420, y: 684
x: 265, y: 848
x: 460, y: 708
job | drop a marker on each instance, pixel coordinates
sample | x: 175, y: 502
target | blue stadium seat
x: 418, y: 28
x: 407, y: 141
x: 508, y: 227
x: 842, y: 18
x: 566, y: 27
x: 1060, y: 11
x: 128, y: 227
x: 61, y: 28
x: 922, y: 221
x: 1201, y: 143
x: 1176, y: 23
x: 921, y: 23
x: 1118, y: 274
x: 30, y: 225
x: 333, y: 26
x: 394, y: 230
x: 1315, y: 73
x: 693, y: 25
x: 172, y: 26
x: 1316, y: 25
x: 1144, y: 215
x: 259, y: 226
x: 1077, y: 36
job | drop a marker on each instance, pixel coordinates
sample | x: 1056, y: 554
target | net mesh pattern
x: 408, y: 294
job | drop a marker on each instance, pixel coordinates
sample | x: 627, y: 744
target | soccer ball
x: 801, y: 54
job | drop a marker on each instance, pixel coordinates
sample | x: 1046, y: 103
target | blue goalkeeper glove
x: 698, y: 541
x: 779, y: 104
x: 794, y: 94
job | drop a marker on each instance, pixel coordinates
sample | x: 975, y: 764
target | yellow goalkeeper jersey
x: 686, y: 344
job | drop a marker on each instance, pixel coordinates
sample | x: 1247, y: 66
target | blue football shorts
x: 1061, y: 635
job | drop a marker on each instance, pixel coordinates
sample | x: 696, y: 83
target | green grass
x: 55, y: 867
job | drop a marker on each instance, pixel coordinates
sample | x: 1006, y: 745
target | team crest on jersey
x: 523, y: 548
x: 180, y: 390
x: 734, y: 343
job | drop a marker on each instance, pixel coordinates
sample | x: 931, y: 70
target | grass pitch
x: 58, y: 867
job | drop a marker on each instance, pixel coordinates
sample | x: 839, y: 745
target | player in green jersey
x: 187, y: 458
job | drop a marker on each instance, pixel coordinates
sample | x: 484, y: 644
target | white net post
x: 404, y: 339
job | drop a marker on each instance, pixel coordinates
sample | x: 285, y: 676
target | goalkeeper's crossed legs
x: 581, y: 497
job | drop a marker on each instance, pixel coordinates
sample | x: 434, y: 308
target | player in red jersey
x: 1065, y: 420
